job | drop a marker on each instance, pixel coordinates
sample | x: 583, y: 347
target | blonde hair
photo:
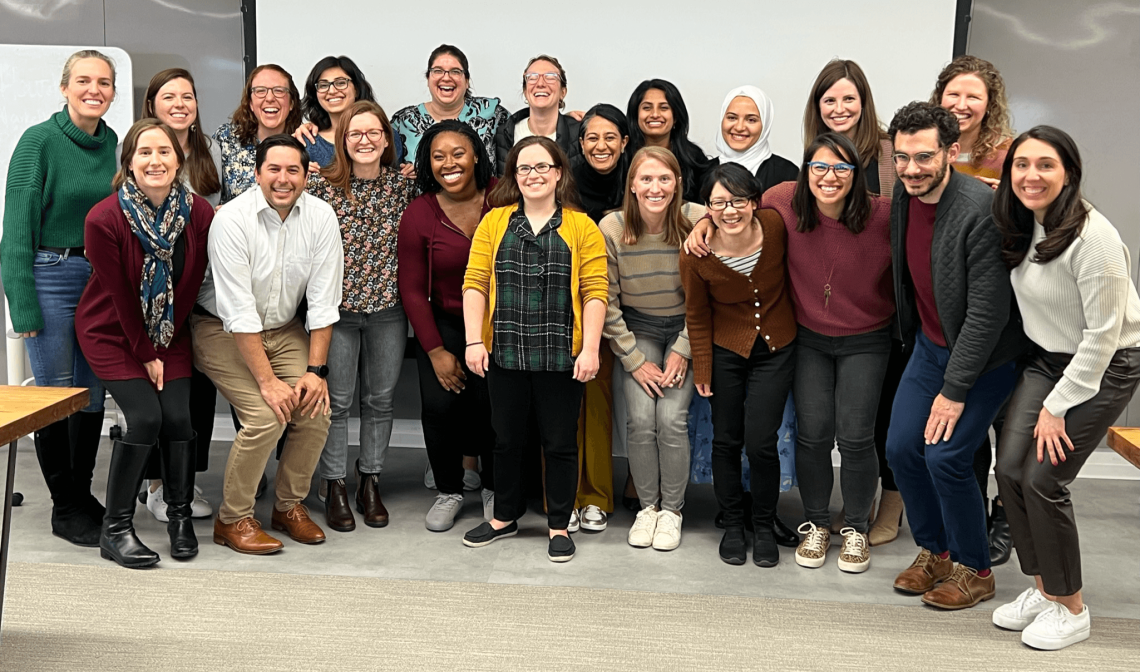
x: 677, y: 226
x: 79, y: 56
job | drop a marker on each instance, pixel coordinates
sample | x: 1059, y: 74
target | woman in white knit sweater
x: 1070, y: 273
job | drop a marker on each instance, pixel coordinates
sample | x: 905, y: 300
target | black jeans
x: 151, y: 414
x: 455, y: 424
x: 837, y: 388
x: 556, y: 399
x: 748, y: 400
x: 896, y: 364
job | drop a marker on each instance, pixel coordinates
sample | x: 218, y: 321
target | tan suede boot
x: 886, y: 526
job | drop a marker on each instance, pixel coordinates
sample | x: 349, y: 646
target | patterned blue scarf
x: 157, y: 230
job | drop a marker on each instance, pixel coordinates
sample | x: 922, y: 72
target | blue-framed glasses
x: 819, y: 168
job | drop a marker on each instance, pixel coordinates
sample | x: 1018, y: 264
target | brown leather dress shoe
x: 926, y: 571
x: 368, y: 500
x: 245, y: 536
x: 963, y: 589
x: 338, y: 513
x: 298, y: 525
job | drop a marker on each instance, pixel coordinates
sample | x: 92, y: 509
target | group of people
x: 896, y: 293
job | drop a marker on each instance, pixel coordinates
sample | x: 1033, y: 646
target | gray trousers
x: 657, y: 434
x: 1036, y: 494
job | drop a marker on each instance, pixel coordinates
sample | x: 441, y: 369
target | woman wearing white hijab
x: 745, y: 124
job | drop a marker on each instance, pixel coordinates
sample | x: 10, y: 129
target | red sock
x: 944, y: 554
x: 984, y: 573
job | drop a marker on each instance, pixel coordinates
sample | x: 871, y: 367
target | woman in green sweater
x: 60, y: 169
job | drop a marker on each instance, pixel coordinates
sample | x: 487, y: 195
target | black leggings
x: 151, y: 414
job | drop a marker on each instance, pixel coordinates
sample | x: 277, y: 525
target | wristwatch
x: 322, y: 371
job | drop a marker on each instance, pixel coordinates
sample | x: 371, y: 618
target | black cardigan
x: 566, y: 137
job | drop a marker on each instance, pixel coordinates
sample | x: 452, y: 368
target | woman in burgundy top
x: 434, y: 242
x: 147, y: 247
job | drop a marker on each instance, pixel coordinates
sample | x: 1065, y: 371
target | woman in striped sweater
x: 645, y: 323
x: 1071, y: 276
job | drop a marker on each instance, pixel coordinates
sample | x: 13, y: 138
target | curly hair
x: 918, y: 116
x: 425, y: 177
x: 245, y: 123
x: 996, y: 127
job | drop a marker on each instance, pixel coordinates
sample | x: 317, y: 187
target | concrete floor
x: 1107, y: 511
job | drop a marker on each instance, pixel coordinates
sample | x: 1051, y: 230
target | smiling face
x: 602, y: 144
x: 90, y: 89
x: 741, y: 125
x: 654, y: 116
x: 840, y: 107
x: 272, y: 110
x: 154, y: 164
x: 543, y: 94
x: 654, y: 186
x: 730, y: 221
x: 447, y: 89
x: 535, y: 186
x: 175, y: 104
x: 922, y: 180
x: 829, y: 189
x: 281, y: 178
x: 967, y: 97
x: 1037, y: 176
x: 453, y: 162
x: 334, y: 100
x: 361, y: 141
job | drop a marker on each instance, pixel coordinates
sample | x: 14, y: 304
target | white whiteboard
x: 607, y: 48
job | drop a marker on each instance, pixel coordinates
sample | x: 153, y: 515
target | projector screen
x: 607, y: 48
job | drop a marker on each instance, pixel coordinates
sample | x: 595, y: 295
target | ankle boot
x: 886, y: 527
x: 68, y: 520
x: 178, y: 491
x: 1001, y: 541
x: 118, y: 541
x: 85, y: 430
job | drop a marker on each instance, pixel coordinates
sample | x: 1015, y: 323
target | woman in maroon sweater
x: 454, y: 179
x: 147, y: 247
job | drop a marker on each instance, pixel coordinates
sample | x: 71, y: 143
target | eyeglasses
x: 263, y: 91
x: 820, y: 168
x: 374, y: 135
x: 340, y: 84
x: 923, y: 159
x: 440, y: 72
x: 550, y: 77
x: 736, y: 203
x: 522, y: 170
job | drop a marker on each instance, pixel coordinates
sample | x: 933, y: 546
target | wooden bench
x: 1126, y: 441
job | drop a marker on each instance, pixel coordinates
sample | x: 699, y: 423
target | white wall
x: 607, y: 48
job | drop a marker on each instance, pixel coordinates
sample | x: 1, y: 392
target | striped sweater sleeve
x: 622, y: 340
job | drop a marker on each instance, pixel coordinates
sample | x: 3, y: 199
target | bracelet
x: 475, y: 343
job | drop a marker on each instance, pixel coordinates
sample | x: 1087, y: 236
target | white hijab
x: 758, y: 153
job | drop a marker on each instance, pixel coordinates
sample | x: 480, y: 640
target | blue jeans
x: 54, y: 353
x: 368, y: 346
x: 937, y: 482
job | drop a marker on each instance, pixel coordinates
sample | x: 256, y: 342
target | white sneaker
x: 593, y: 518
x: 812, y: 551
x: 856, y: 554
x: 1017, y: 615
x: 488, y: 504
x: 668, y: 534
x: 199, y: 508
x: 575, y: 522
x: 1056, y: 627
x: 644, y: 528
x: 471, y: 480
x: 441, y: 516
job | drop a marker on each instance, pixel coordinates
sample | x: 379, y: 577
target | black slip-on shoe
x: 485, y: 534
x: 561, y: 548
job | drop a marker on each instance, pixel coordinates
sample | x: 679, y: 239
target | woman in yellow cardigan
x: 534, y: 299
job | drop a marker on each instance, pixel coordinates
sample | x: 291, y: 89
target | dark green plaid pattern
x: 534, y: 315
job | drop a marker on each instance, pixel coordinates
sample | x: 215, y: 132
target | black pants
x: 556, y: 399
x: 1036, y: 494
x: 748, y: 400
x: 896, y: 364
x: 203, y: 401
x: 455, y: 425
x: 152, y: 414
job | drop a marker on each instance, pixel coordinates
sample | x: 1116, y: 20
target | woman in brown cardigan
x: 745, y: 363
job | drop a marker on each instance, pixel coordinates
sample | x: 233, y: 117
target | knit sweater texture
x: 989, y: 167
x: 1082, y: 303
x: 856, y: 267
x: 57, y: 174
x: 646, y: 277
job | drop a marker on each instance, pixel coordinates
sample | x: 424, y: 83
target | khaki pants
x: 287, y: 348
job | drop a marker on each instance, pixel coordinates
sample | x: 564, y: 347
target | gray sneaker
x: 441, y: 516
x: 471, y: 480
x: 488, y: 504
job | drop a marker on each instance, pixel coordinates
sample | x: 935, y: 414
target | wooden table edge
x: 1128, y: 448
x: 58, y: 410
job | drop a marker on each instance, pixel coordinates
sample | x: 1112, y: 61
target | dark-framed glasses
x: 373, y: 135
x: 440, y: 72
x: 522, y: 170
x: 819, y: 168
x: 340, y: 84
x: 737, y: 203
x: 923, y: 159
x: 263, y: 91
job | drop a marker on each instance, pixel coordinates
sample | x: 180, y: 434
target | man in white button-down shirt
x: 271, y: 249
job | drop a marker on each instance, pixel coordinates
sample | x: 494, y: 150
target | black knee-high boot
x: 68, y: 520
x: 178, y: 491
x: 86, y: 431
x: 118, y: 541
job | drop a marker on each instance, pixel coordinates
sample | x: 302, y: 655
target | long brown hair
x: 245, y: 124
x: 869, y: 133
x: 996, y: 123
x: 506, y: 191
x: 677, y: 226
x: 200, y: 166
x: 130, y: 144
x: 339, y: 174
x: 1064, y: 218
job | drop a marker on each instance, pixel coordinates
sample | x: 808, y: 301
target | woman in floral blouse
x: 369, y: 197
